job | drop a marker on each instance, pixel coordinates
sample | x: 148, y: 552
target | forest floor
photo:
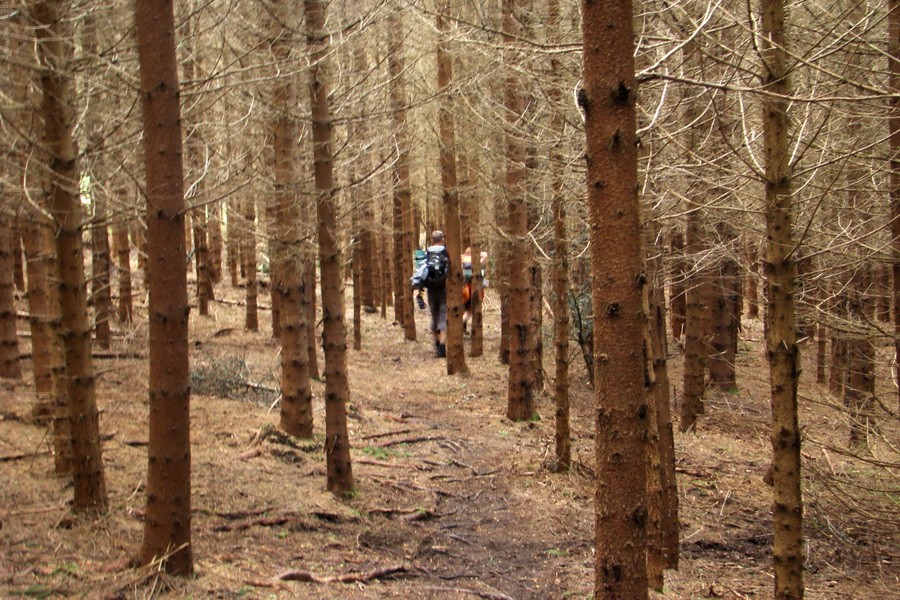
x: 454, y: 500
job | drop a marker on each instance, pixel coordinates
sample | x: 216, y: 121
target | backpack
x: 438, y: 262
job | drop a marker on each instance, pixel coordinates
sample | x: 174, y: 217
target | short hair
x: 437, y: 236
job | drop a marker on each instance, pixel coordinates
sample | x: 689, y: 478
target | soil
x: 453, y: 500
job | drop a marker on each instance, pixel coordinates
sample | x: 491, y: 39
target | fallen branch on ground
x: 11, y: 457
x: 265, y: 522
x: 412, y: 440
x: 480, y: 594
x: 372, y: 436
x: 382, y: 463
x: 308, y: 577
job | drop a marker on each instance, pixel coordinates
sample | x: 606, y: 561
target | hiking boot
x: 442, y: 350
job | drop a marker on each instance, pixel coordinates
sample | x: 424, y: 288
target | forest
x: 673, y: 300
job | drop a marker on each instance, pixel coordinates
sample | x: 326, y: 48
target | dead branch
x: 412, y: 440
x: 308, y: 577
x: 12, y: 457
x: 265, y: 522
x: 480, y: 594
x: 382, y: 463
x: 372, y: 436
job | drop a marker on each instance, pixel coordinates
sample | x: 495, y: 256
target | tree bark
x: 608, y: 102
x: 65, y: 206
x: 9, y: 339
x: 677, y: 285
x: 520, y: 397
x: 167, y: 524
x: 296, y: 394
x: 248, y: 256
x: 894, y: 139
x: 456, y: 358
x: 100, y: 268
x: 337, y: 387
x: 781, y: 331
x: 123, y: 255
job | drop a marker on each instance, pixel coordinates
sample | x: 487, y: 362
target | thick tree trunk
x: 520, y: 397
x: 167, y: 525
x: 65, y: 206
x: 696, y: 325
x: 334, y: 340
x: 288, y: 287
x: 46, y: 347
x: 781, y: 331
x: 608, y: 101
x: 456, y: 358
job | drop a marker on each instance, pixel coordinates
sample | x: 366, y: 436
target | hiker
x: 432, y: 276
x: 467, y: 285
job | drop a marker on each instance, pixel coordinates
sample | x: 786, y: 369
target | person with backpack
x: 432, y: 276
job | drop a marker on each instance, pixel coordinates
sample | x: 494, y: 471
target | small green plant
x: 557, y: 552
x: 535, y: 418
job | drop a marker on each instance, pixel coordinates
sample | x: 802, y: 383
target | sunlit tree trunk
x: 65, y: 206
x: 334, y: 340
x: 781, y: 331
x: 608, y: 101
x: 167, y: 522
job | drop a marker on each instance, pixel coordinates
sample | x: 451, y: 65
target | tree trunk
x: 337, y: 387
x: 65, y: 206
x: 456, y: 358
x: 608, y: 101
x: 560, y: 265
x: 296, y: 394
x: 248, y: 256
x: 677, y: 285
x: 520, y: 397
x: 9, y: 338
x: 201, y: 260
x: 695, y: 330
x: 233, y: 242
x: 46, y: 346
x: 894, y: 132
x: 214, y: 227
x: 167, y: 524
x: 123, y: 255
x: 309, y: 270
x: 752, y: 288
x: 403, y: 217
x: 725, y: 304
x: 100, y: 268
x: 781, y: 331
